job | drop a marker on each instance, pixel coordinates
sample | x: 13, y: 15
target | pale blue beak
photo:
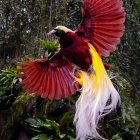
x: 51, y: 32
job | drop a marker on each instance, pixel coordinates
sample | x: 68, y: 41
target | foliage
x: 130, y: 115
x: 116, y: 137
x: 127, y: 57
x: 41, y: 137
x: 50, y: 47
x: 8, y: 78
x: 8, y: 86
x: 61, y: 128
x: 51, y: 128
x: 23, y: 22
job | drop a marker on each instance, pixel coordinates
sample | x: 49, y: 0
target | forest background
x: 23, y: 28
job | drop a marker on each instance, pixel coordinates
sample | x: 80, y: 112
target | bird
x: 78, y: 65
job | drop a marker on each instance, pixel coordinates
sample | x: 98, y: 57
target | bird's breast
x: 76, y: 50
x: 79, y: 56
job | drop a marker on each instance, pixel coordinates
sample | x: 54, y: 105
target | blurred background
x: 23, y: 28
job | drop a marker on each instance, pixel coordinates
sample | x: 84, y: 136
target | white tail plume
x: 97, y: 90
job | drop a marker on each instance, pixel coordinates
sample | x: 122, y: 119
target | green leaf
x: 3, y: 79
x: 67, y: 118
x: 15, y: 80
x: 42, y: 137
x: 62, y: 135
x: 38, y: 125
x: 50, y: 46
x: 116, y: 137
x: 71, y: 138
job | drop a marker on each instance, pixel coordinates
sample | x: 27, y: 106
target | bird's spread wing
x: 49, y: 78
x: 102, y: 24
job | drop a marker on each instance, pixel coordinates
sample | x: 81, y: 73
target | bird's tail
x: 98, y: 98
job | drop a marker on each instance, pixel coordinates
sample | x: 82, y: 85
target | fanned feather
x: 49, y: 78
x: 103, y: 20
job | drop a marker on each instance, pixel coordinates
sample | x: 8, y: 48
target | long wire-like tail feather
x: 98, y: 98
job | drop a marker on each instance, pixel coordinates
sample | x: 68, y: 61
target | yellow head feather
x: 63, y: 28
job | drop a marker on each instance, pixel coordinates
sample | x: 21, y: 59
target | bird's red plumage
x: 49, y: 78
x: 102, y: 24
x: 54, y: 78
x: 77, y: 51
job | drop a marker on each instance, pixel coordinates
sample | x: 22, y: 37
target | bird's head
x: 60, y: 31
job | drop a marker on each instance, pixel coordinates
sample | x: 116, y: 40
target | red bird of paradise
x: 78, y: 65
